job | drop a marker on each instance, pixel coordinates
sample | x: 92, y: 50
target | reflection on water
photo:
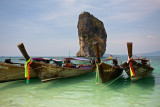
x: 70, y: 81
x: 123, y: 82
x: 146, y: 83
x: 19, y: 83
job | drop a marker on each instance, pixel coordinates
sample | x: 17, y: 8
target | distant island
x: 156, y: 53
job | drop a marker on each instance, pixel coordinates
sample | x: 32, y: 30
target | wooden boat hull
x: 140, y: 70
x: 48, y: 72
x: 11, y: 72
x: 109, y: 72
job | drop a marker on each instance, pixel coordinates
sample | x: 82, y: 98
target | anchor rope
x: 109, y: 83
x: 112, y: 81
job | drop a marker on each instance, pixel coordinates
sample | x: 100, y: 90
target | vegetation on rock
x: 90, y: 29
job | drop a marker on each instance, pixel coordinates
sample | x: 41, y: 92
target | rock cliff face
x: 90, y: 30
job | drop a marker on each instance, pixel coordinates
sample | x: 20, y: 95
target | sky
x: 49, y: 27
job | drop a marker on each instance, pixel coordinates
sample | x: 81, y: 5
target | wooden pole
x: 23, y: 51
x: 129, y: 47
x: 96, y: 47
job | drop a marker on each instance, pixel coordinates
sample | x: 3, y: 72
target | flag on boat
x: 110, y: 56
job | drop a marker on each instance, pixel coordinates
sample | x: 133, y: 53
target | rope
x: 112, y: 81
x: 109, y: 83
x: 109, y: 73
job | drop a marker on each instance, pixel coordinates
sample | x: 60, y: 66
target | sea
x: 82, y: 91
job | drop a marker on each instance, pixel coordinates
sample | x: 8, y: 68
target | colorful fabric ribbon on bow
x: 97, y: 74
x: 131, y: 67
x: 27, y: 69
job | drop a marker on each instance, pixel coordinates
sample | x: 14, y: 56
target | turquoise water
x: 83, y: 92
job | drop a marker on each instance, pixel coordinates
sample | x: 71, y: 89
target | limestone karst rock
x: 90, y: 30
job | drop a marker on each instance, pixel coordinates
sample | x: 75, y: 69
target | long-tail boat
x: 107, y: 71
x: 10, y: 71
x: 47, y: 72
x: 136, y: 68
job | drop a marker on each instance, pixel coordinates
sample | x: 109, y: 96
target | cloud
x: 68, y: 2
x: 56, y: 20
x: 152, y: 37
x: 130, y: 10
x: 66, y: 13
x: 116, y: 42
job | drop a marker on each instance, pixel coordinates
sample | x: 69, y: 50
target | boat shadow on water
x: 123, y: 82
x: 119, y: 83
x: 70, y: 81
x: 148, y: 82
